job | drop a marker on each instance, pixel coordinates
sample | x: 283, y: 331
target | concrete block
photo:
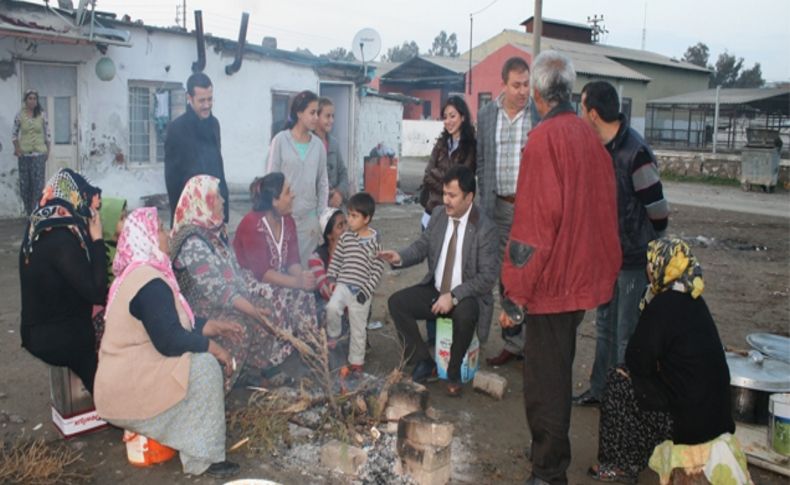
x: 490, y: 383
x: 419, y: 429
x: 424, y: 457
x: 409, y: 395
x: 439, y: 476
x: 404, y: 398
x: 339, y: 456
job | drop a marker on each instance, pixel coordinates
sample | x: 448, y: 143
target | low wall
x: 419, y: 136
x: 725, y: 166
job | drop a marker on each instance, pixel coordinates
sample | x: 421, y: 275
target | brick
x: 408, y: 395
x: 419, y: 429
x: 338, y: 456
x: 439, y: 476
x: 490, y: 383
x: 404, y: 398
x: 424, y: 457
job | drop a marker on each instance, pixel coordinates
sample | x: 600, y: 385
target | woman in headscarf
x: 158, y: 370
x: 31, y: 146
x: 63, y: 273
x: 675, y: 385
x: 266, y: 245
x: 113, y: 215
x: 212, y: 281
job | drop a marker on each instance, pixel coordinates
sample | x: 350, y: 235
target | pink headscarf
x: 138, y: 245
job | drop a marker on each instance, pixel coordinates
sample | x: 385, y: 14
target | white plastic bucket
x: 779, y: 423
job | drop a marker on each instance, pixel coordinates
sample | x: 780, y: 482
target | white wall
x: 378, y: 121
x: 242, y: 103
x: 419, y: 137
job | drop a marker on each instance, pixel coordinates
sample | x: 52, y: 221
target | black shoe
x: 223, y: 469
x: 424, y: 371
x: 586, y: 399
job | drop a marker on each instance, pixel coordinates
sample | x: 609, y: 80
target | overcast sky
x: 757, y: 30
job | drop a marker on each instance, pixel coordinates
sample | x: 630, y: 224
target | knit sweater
x: 355, y: 262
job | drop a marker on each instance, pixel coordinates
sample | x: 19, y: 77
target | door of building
x: 57, y: 90
x: 342, y: 97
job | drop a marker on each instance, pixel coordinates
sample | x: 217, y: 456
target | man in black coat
x: 192, y: 144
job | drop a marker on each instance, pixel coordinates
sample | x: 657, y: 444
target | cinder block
x: 490, y: 383
x: 419, y: 429
x: 342, y: 457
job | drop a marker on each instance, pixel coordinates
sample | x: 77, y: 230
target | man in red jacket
x: 562, y: 257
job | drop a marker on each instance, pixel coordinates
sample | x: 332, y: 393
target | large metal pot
x: 753, y: 378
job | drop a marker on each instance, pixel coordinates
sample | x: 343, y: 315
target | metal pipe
x: 200, y: 64
x: 716, y: 119
x: 236, y: 65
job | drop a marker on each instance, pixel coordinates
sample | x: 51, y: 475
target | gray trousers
x: 550, y: 345
x: 503, y: 218
x: 32, y: 169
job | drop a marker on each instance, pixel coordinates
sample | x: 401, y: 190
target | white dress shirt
x: 459, y: 248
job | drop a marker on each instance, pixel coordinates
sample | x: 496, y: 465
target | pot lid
x: 771, y: 345
x: 758, y: 373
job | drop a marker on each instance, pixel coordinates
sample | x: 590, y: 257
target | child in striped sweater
x: 354, y: 272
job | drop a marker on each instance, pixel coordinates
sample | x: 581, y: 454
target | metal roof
x: 600, y: 59
x: 726, y: 96
x: 458, y: 65
x: 584, y: 60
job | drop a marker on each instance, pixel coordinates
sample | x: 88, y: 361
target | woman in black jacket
x: 63, y: 273
x: 675, y: 386
x: 455, y: 146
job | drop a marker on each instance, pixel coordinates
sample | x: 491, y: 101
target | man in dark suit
x: 192, y: 144
x: 460, y: 244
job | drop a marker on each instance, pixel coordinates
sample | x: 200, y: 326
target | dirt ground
x: 745, y: 258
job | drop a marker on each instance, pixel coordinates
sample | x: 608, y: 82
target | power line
x: 484, y: 8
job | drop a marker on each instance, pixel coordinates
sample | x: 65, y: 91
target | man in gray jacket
x: 502, y: 127
x: 460, y: 244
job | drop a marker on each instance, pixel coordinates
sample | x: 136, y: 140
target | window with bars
x: 152, y: 106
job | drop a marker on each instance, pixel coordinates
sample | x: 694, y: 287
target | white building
x: 113, y: 130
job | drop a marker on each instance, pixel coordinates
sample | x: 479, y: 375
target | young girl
x: 301, y: 157
x: 335, y: 166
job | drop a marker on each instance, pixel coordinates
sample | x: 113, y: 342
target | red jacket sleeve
x: 536, y: 219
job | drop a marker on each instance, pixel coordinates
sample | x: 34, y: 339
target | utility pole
x: 181, y: 14
x: 537, y: 28
x: 644, y: 27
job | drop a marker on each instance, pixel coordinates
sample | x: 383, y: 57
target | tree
x: 444, y: 45
x: 339, y: 54
x: 727, y: 70
x: 402, y: 53
x: 751, y: 78
x: 697, y: 54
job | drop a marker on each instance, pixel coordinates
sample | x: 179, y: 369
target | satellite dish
x: 366, y: 45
